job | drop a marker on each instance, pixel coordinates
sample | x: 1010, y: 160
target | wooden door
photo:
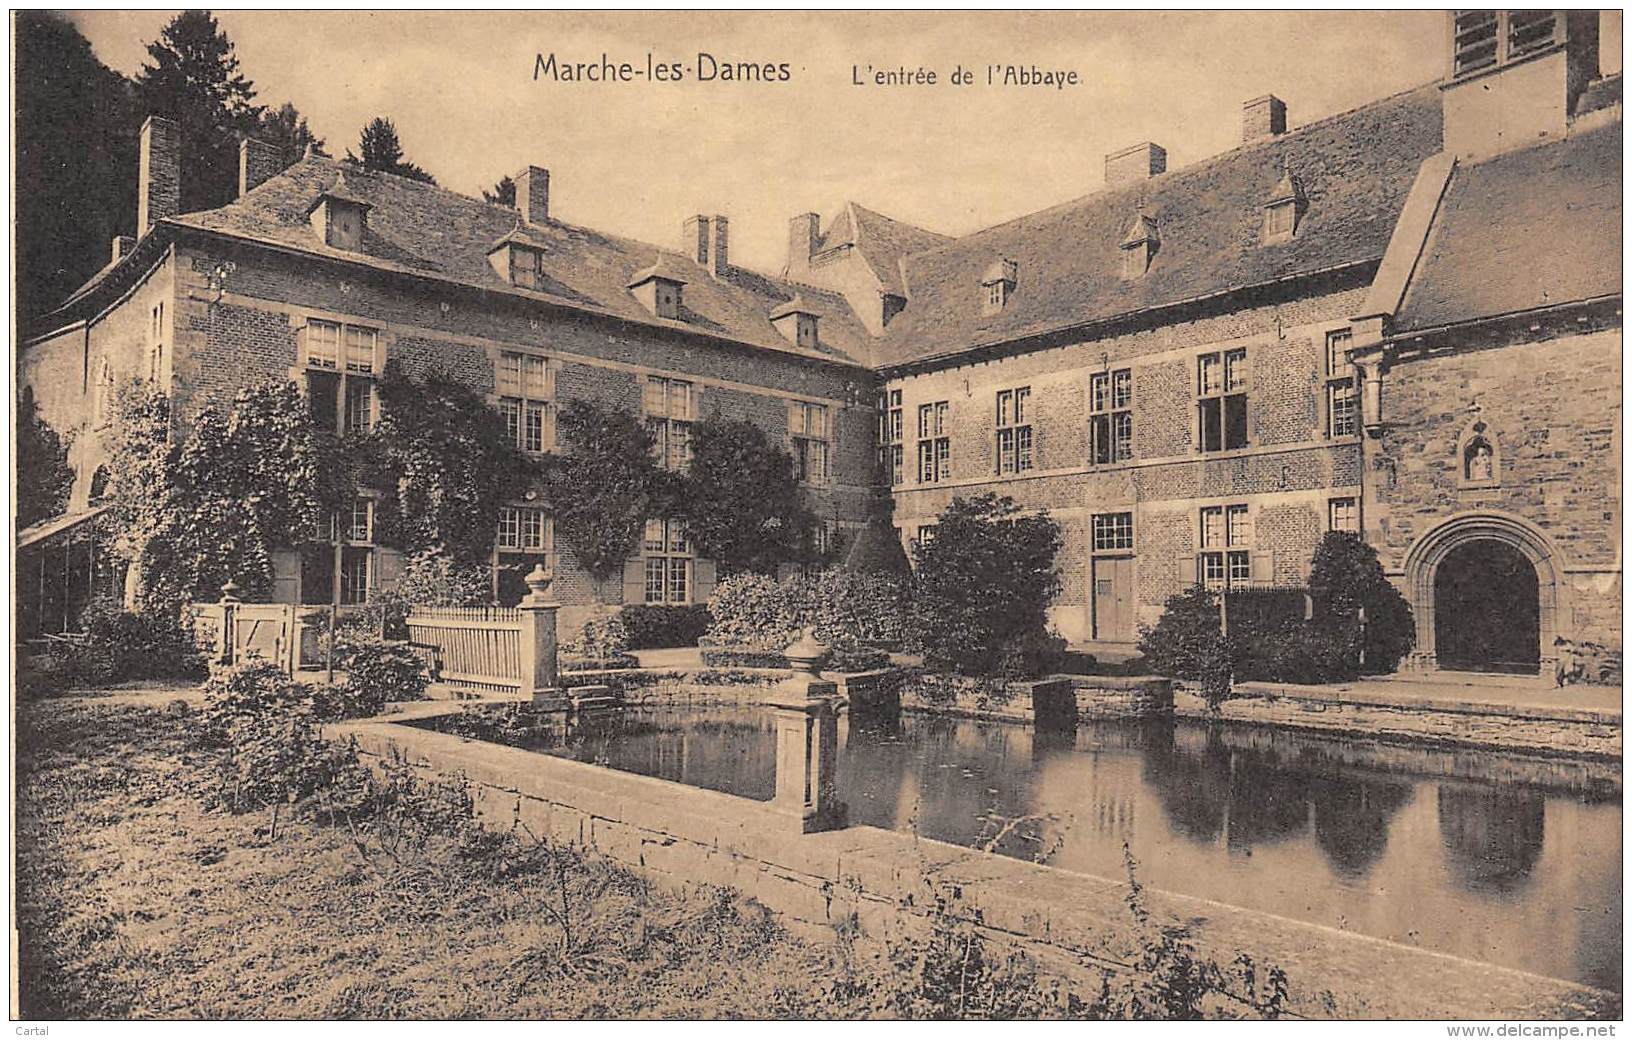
x: 1113, y: 599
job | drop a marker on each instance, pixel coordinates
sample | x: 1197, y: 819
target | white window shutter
x: 1263, y: 567
x: 634, y: 580
x: 704, y: 575
x: 1187, y: 571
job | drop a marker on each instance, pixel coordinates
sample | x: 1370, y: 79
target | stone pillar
x: 538, y: 663
x: 807, y: 741
x: 229, y: 621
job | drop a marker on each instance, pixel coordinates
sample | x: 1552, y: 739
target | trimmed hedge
x: 857, y: 659
x: 847, y: 609
x: 656, y: 628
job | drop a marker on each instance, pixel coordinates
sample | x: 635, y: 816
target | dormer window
x: 518, y: 259
x: 339, y: 217
x: 797, y: 323
x: 658, y: 288
x: 1139, y: 246
x: 1284, y: 210
x: 997, y: 285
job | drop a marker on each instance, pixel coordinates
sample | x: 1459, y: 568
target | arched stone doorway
x: 1487, y: 591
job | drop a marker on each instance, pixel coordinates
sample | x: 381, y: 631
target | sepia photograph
x: 817, y: 515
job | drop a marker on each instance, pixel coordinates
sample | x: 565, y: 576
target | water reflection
x: 1449, y: 852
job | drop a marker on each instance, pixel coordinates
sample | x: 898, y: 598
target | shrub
x: 982, y: 589
x: 436, y: 579
x: 120, y: 644
x: 240, y: 695
x: 655, y: 627
x: 1345, y: 576
x: 377, y: 671
x: 1187, y: 643
x: 1298, y: 652
x: 849, y: 610
x: 604, y: 635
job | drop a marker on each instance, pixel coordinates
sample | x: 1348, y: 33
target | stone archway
x: 1459, y: 537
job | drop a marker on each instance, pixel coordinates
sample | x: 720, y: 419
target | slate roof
x: 882, y: 241
x: 1355, y: 170
x: 425, y: 230
x: 1521, y: 231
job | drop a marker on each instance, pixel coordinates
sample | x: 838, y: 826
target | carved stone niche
x: 1478, y: 457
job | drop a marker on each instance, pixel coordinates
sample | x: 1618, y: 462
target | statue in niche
x: 1480, y: 461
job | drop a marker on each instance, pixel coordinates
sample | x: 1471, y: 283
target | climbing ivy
x: 743, y: 505
x: 44, y: 477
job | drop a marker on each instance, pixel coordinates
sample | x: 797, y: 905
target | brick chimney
x: 1262, y: 117
x: 122, y: 245
x: 720, y: 256
x: 533, y: 194
x: 258, y: 162
x: 695, y: 238
x: 158, y: 190
x: 804, y: 231
x: 1138, y: 163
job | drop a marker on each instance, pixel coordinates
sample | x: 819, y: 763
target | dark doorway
x: 1487, y: 609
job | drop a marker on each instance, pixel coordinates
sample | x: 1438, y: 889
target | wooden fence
x: 479, y: 647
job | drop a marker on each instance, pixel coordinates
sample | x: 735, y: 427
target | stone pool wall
x: 1552, y: 731
x: 1122, y: 697
x: 682, y: 836
x: 1049, y: 700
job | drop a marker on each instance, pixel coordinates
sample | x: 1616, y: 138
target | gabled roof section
x: 427, y: 231
x: 1356, y: 170
x: 1559, y: 201
x: 882, y: 242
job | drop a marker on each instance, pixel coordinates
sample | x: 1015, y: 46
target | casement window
x: 1110, y: 422
x: 341, y: 362
x: 1014, y: 430
x: 926, y: 534
x: 890, y: 435
x: 1226, y: 546
x: 1343, y: 514
x: 670, y: 407
x: 524, y: 529
x: 934, y: 444
x: 808, y: 430
x: 526, y: 268
x: 1113, y: 532
x: 1222, y: 383
x: 155, y: 339
x: 667, y: 559
x: 525, y: 386
x: 354, y: 573
x: 1342, y: 400
x: 1280, y: 220
x: 355, y: 535
x: 360, y: 521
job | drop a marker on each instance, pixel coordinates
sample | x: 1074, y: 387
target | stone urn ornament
x: 806, y: 654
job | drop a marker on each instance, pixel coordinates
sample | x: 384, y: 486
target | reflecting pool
x: 1505, y: 859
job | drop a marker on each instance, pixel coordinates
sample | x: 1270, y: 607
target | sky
x: 637, y: 157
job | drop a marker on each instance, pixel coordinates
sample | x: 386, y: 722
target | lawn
x: 135, y: 902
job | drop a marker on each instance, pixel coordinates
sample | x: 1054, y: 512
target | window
x: 926, y: 534
x: 354, y: 569
x: 526, y: 268
x: 995, y: 294
x: 807, y: 425
x: 1280, y: 220
x: 1014, y: 430
x: 1226, y: 546
x: 889, y: 435
x: 934, y: 446
x: 524, y: 529
x: 1342, y: 401
x: 1221, y: 390
x: 1530, y: 31
x: 1110, y: 423
x: 1113, y: 532
x: 526, y: 391
x: 669, y: 405
x: 1343, y: 514
x: 360, y: 522
x: 1483, y: 39
x: 155, y: 339
x: 102, y: 395
x: 668, y: 562
x: 341, y: 362
x: 1474, y: 46
x: 356, y: 539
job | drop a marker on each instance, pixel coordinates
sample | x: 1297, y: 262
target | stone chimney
x: 122, y: 245
x: 1138, y: 163
x: 258, y: 162
x: 533, y: 194
x: 707, y: 241
x: 1262, y: 117
x: 158, y: 190
x: 720, y: 257
x: 804, y: 231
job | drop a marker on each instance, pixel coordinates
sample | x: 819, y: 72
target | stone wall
x: 1113, y: 696
x: 870, y: 878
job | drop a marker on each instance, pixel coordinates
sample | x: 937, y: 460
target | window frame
x: 1013, y: 424
x: 934, y: 443
x: 517, y: 400
x: 1220, y: 399
x: 809, y: 446
x: 518, y: 542
x: 1225, y: 550
x: 674, y: 558
x: 1348, y: 503
x: 1341, y: 386
x: 671, y: 431
x: 891, y: 427
x: 351, y: 368
x: 1108, y: 442
x: 1119, y: 536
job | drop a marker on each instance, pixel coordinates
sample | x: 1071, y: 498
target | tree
x: 382, y: 151
x: 1188, y: 643
x: 743, y: 506
x: 285, y: 128
x: 605, y: 488
x: 983, y: 586
x: 503, y: 193
x: 450, y: 461
x: 44, y: 477
x: 76, y: 153
x: 194, y: 80
x: 1346, y: 576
